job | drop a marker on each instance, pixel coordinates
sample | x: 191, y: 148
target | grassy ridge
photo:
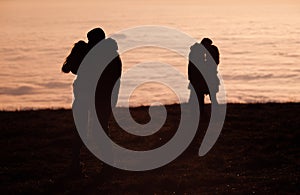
x: 257, y: 151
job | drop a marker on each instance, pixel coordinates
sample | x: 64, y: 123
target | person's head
x: 96, y: 35
x: 75, y: 58
x: 206, y: 41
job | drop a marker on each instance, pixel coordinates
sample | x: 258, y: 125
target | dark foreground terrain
x: 257, y: 152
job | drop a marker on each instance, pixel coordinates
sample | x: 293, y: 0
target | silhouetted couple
x: 203, y: 56
x: 105, y: 96
x: 202, y: 70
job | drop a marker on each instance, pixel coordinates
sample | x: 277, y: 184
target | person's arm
x: 190, y: 69
x: 119, y: 64
x: 217, y: 54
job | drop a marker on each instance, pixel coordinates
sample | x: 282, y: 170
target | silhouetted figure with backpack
x: 203, y: 60
x: 105, y: 97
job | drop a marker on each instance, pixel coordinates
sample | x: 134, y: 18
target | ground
x: 257, y: 152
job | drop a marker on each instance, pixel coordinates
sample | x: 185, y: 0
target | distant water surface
x: 259, y: 46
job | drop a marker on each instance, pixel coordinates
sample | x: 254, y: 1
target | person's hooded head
x: 95, y: 36
x: 206, y: 41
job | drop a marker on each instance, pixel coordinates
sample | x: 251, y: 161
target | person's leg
x: 104, y: 114
x: 76, y: 147
x: 75, y: 168
x: 192, y: 98
x: 213, y: 98
x: 196, y: 96
x: 77, y: 143
x: 103, y: 111
x: 201, y: 102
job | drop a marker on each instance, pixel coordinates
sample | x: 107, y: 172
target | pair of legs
x: 103, y: 111
x: 106, y: 97
x: 199, y: 96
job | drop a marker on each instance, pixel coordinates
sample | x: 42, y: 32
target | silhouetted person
x: 105, y: 97
x: 205, y: 57
x: 72, y: 63
x: 104, y: 91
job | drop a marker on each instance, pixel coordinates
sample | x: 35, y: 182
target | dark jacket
x: 203, y: 63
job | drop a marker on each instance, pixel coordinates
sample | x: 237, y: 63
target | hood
x: 196, y: 46
x: 110, y: 44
